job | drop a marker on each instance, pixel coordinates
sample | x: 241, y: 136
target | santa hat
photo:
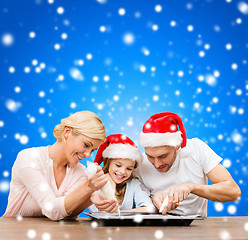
x: 118, y: 146
x: 161, y: 130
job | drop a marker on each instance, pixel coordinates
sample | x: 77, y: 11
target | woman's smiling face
x: 120, y: 169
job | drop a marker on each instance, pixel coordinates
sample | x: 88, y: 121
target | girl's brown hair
x: 120, y: 188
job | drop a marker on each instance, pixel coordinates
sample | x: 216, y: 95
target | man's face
x: 162, y: 157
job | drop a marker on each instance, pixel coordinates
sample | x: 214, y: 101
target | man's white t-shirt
x: 193, y: 168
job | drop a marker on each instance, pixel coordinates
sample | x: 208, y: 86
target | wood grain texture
x: 209, y: 228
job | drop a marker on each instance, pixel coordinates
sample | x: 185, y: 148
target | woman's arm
x: 57, y: 208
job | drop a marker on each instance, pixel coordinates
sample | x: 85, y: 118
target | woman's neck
x: 57, y: 154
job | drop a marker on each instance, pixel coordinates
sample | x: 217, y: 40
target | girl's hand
x: 103, y: 204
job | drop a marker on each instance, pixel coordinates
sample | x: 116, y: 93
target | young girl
x: 121, y: 156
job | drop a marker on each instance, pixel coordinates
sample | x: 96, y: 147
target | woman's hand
x: 98, y: 180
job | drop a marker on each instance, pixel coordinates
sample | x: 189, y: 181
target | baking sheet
x: 141, y: 219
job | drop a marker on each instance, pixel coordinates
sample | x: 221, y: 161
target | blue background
x: 192, y: 73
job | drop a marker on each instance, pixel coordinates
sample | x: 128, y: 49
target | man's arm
x: 223, y: 189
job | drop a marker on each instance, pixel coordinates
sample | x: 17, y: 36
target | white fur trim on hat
x: 160, y: 139
x: 122, y: 151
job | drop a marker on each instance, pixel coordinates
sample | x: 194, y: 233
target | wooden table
x: 224, y: 228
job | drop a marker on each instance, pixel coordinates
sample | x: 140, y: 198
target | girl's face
x: 121, y: 169
x: 78, y: 147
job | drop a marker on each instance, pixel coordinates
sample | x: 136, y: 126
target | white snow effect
x: 210, y: 80
x: 42, y: 110
x: 32, y: 34
x: 201, y: 54
x: 224, y: 235
x: 155, y: 27
x: 232, y: 209
x: 23, y: 139
x: 102, y: 29
x: 17, y: 89
x: 228, y: 46
x: 122, y: 11
x: 94, y: 224
x: 7, y: 39
x: 177, y: 93
x: 234, y: 66
x: 32, y: 120
x: 42, y: 94
x: 60, y: 78
x: 220, y: 137
x: 153, y: 69
x: 50, y: 1
x: 201, y: 78
x: 137, y: 14
x: 241, y: 111
x: 233, y: 109
x: 215, y: 100
x: 34, y: 62
x: 6, y: 173
x: 37, y: 69
x: 42, y: 65
x: 31, y: 233
x: 73, y: 105
x: 4, y: 186
x: 237, y: 137
x: 1, y: 123
x: 138, y: 218
x: 57, y: 46
x: 130, y: 122
x: 11, y: 69
x: 181, y: 105
x: 238, y: 92
x: 128, y: 38
x: 180, y: 73
x: 155, y: 98
x: 12, y: 105
x: 100, y: 106
x: 19, y: 218
x: 216, y: 73
x: 243, y: 7
x: 218, y: 206
x: 207, y: 46
x: 44, y: 187
x: 116, y: 98
x: 142, y: 68
x: 64, y: 36
x: 106, y: 78
x: 190, y: 28
x: 145, y: 51
x: 89, y: 56
x: 27, y: 69
x: 102, y: 1
x: 48, y: 206
x: 246, y: 226
x: 95, y: 78
x: 158, y: 234
x: 158, y: 8
x: 60, y: 10
x: 76, y: 74
x: 227, y: 163
x: 46, y: 236
x: 43, y: 135
x: 189, y: 6
x: 173, y: 23
x: 238, y: 20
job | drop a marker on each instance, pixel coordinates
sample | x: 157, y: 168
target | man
x: 179, y: 168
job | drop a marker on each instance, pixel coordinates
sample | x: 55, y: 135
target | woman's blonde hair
x: 84, y: 122
x: 121, y: 187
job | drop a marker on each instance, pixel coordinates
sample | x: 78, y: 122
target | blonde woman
x: 49, y: 181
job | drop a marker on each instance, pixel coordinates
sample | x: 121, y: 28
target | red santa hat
x: 118, y: 146
x: 161, y: 130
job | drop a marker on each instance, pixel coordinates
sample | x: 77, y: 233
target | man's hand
x: 103, y: 204
x: 176, y: 195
